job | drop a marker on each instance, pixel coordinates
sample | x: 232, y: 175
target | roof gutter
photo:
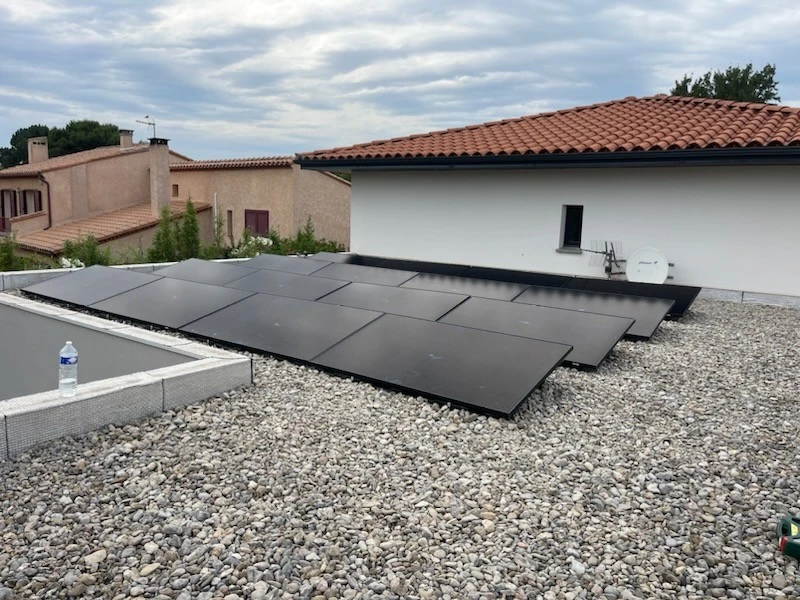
x: 773, y: 155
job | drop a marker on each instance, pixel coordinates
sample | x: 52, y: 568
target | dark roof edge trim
x: 783, y: 155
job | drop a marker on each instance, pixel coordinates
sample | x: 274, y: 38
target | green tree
x: 163, y: 248
x: 742, y: 84
x: 189, y: 234
x: 75, y: 136
x: 17, y: 151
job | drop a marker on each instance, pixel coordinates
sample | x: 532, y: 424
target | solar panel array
x: 479, y: 338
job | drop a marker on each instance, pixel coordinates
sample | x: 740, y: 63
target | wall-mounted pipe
x: 49, y: 208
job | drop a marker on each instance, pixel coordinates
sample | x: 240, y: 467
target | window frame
x: 571, y: 222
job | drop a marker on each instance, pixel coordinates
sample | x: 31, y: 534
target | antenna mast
x: 148, y: 123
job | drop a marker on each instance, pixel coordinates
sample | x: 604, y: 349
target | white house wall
x: 723, y: 227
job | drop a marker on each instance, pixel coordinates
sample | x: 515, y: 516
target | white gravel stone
x: 661, y: 475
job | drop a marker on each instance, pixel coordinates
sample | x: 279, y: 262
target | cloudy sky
x: 238, y: 78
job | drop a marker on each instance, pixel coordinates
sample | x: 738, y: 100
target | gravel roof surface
x: 662, y: 475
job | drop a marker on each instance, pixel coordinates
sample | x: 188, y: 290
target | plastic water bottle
x: 68, y: 371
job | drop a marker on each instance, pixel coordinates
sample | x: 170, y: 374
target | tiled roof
x: 233, y: 163
x: 70, y: 160
x: 105, y: 227
x: 79, y: 158
x: 628, y: 125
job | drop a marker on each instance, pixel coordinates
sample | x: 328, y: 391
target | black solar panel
x: 364, y: 274
x: 683, y: 295
x: 413, y: 265
x: 592, y: 336
x: 170, y: 302
x: 90, y: 285
x: 647, y: 312
x: 480, y: 370
x: 528, y: 277
x: 338, y: 257
x: 286, y: 327
x: 204, y: 271
x: 422, y: 304
x: 482, y: 288
x: 289, y: 264
x: 280, y: 283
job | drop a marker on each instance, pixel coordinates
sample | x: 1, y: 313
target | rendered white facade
x: 732, y: 228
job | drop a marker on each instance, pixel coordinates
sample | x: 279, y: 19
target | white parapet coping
x: 37, y: 418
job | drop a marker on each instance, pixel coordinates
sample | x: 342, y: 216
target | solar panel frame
x: 280, y: 326
x: 205, y: 271
x: 90, y: 285
x: 292, y: 285
x: 646, y: 312
x: 169, y: 302
x: 492, y: 374
x: 468, y: 286
x: 364, y: 274
x: 339, y: 257
x: 420, y: 304
x: 289, y: 264
x: 591, y: 335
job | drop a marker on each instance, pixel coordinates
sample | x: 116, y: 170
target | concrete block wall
x: 31, y: 420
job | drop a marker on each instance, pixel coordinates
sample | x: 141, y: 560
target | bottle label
x: 69, y: 360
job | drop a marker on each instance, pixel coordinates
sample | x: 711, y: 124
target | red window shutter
x: 257, y: 221
x: 263, y: 222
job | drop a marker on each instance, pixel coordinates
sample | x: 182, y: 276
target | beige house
x: 266, y: 193
x: 115, y: 193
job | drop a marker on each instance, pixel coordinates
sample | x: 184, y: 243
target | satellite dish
x: 647, y: 265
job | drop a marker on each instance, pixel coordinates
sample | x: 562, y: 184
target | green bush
x: 131, y: 256
x: 304, y: 242
x: 85, y: 252
x: 164, y: 247
x: 9, y: 261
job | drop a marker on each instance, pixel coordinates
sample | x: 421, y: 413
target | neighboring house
x: 714, y: 185
x: 266, y: 193
x: 113, y: 193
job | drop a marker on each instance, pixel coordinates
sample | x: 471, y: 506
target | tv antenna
x: 608, y: 255
x: 149, y: 123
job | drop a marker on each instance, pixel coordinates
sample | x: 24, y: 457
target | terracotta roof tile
x: 103, y: 227
x: 631, y: 124
x: 70, y: 160
x: 234, y: 163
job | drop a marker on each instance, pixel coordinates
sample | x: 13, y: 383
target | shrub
x: 86, y: 251
x: 163, y: 248
x: 9, y: 261
x: 251, y: 245
x: 188, y: 237
x: 132, y: 256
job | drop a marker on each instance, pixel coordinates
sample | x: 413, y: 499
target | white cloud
x: 289, y: 75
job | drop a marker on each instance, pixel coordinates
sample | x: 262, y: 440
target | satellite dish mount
x: 608, y: 255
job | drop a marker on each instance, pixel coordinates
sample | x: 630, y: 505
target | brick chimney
x: 38, y: 149
x: 159, y: 174
x: 125, y: 138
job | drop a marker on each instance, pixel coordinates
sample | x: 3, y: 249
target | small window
x: 31, y: 202
x: 257, y: 221
x: 8, y: 204
x: 230, y: 224
x: 175, y: 190
x: 572, y: 224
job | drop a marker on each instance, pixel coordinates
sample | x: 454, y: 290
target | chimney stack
x: 125, y: 138
x: 38, y: 149
x: 159, y: 174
